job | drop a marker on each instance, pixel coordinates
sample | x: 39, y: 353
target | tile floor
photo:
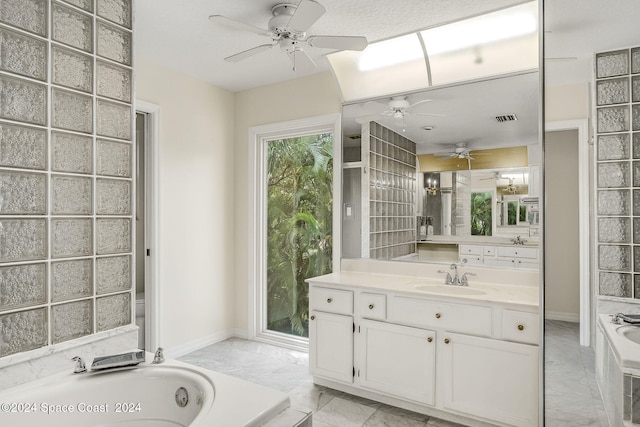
x: 572, y: 396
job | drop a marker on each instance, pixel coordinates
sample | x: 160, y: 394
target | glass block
x: 635, y: 117
x: 114, y: 43
x: 636, y: 145
x: 28, y: 15
x: 636, y: 260
x: 71, y: 69
x: 635, y: 89
x: 23, y: 331
x: 636, y: 230
x: 71, y: 195
x: 114, y: 274
x: 23, y: 147
x: 615, y: 284
x: 71, y: 279
x: 609, y: 64
x: 71, y: 153
x: 615, y: 174
x: 82, y: 4
x: 613, y: 147
x: 614, y: 230
x: 113, y: 119
x: 23, y: 101
x: 113, y: 311
x: 72, y: 28
x: 23, y: 285
x: 613, y: 119
x: 612, y: 91
x: 113, y: 81
x: 114, y: 236
x: 24, y: 55
x: 71, y: 111
x: 118, y: 11
x: 113, y: 158
x: 23, y: 193
x: 636, y: 203
x: 613, y: 202
x: 614, y: 258
x: 113, y: 197
x: 71, y: 320
x: 23, y: 239
x: 71, y: 237
x: 635, y: 60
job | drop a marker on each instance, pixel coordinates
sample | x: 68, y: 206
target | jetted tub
x: 171, y: 394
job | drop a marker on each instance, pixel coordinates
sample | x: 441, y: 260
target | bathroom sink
x: 449, y: 289
x: 632, y: 333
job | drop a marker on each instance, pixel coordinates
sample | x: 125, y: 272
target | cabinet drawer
x: 373, y: 306
x: 331, y: 300
x: 518, y: 252
x: 471, y: 259
x: 470, y: 250
x: 434, y: 314
x: 520, y: 326
x: 489, y: 251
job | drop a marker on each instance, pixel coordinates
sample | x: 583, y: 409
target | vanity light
x: 432, y: 186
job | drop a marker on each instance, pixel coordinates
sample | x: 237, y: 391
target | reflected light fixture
x: 432, y: 186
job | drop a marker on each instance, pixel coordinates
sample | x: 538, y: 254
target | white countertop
x: 479, y: 240
x: 626, y: 351
x: 524, y: 295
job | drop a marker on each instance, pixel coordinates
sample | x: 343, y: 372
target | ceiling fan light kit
x: 288, y: 28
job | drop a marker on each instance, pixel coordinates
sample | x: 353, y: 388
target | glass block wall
x: 392, y: 189
x: 65, y: 170
x: 617, y: 94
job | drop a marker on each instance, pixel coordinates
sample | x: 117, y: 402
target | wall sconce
x: 432, y: 186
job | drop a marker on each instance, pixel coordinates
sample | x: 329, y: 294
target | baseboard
x: 197, y: 344
x: 562, y: 316
x: 240, y: 333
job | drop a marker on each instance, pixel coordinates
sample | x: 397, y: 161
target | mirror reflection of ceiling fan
x: 287, y: 29
x: 398, y: 108
x: 459, y: 151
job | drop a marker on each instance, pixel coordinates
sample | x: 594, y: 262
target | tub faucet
x: 80, y: 368
x: 159, y: 356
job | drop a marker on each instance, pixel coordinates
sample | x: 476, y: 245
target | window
x: 481, y: 214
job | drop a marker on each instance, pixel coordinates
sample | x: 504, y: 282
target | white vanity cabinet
x: 514, y: 256
x: 472, y: 359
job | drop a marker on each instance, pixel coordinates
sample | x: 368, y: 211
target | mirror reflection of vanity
x: 455, y: 180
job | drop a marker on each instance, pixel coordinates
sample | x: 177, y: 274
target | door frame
x: 152, y: 282
x: 586, y: 310
x: 257, y: 198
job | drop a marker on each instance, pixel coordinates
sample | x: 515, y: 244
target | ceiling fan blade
x: 301, y: 61
x: 237, y: 25
x: 419, y: 102
x: 248, y: 53
x: 338, y: 42
x: 306, y: 14
x: 425, y: 114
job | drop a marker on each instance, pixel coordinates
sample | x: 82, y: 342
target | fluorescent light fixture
x: 391, y: 52
x: 501, y: 25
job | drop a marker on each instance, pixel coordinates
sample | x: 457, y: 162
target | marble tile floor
x: 288, y: 371
x: 572, y: 397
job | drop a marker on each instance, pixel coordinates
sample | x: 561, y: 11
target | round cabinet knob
x: 329, y: 300
x: 429, y: 339
x: 446, y: 340
x: 437, y: 315
x: 313, y: 317
x: 370, y: 306
x: 521, y: 327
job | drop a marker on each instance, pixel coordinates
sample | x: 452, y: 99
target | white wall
x: 311, y: 96
x: 196, y: 205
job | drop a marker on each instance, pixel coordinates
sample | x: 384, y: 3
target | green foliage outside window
x: 299, y: 226
x: 481, y: 214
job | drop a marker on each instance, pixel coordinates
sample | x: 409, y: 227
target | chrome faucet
x: 464, y: 281
x: 518, y: 241
x: 456, y: 280
x: 448, y: 280
x: 80, y: 367
x: 159, y: 356
x: 616, y: 318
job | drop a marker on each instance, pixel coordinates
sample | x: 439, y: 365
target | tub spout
x: 80, y: 368
x: 159, y: 356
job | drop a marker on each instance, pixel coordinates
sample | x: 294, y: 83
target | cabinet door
x: 488, y: 378
x: 397, y: 360
x: 331, y: 346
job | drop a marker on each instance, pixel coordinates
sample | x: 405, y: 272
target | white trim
x: 197, y: 344
x: 153, y: 279
x: 582, y: 127
x: 564, y: 317
x: 256, y: 167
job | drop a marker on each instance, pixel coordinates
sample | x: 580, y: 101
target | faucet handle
x: 80, y: 366
x: 159, y: 356
x: 448, y: 280
x: 464, y: 281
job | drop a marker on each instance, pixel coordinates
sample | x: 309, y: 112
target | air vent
x: 506, y: 118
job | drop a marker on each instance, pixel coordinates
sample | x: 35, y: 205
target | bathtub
x: 171, y: 394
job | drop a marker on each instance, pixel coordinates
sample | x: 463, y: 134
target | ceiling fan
x: 398, y: 108
x: 461, y: 151
x: 287, y: 29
